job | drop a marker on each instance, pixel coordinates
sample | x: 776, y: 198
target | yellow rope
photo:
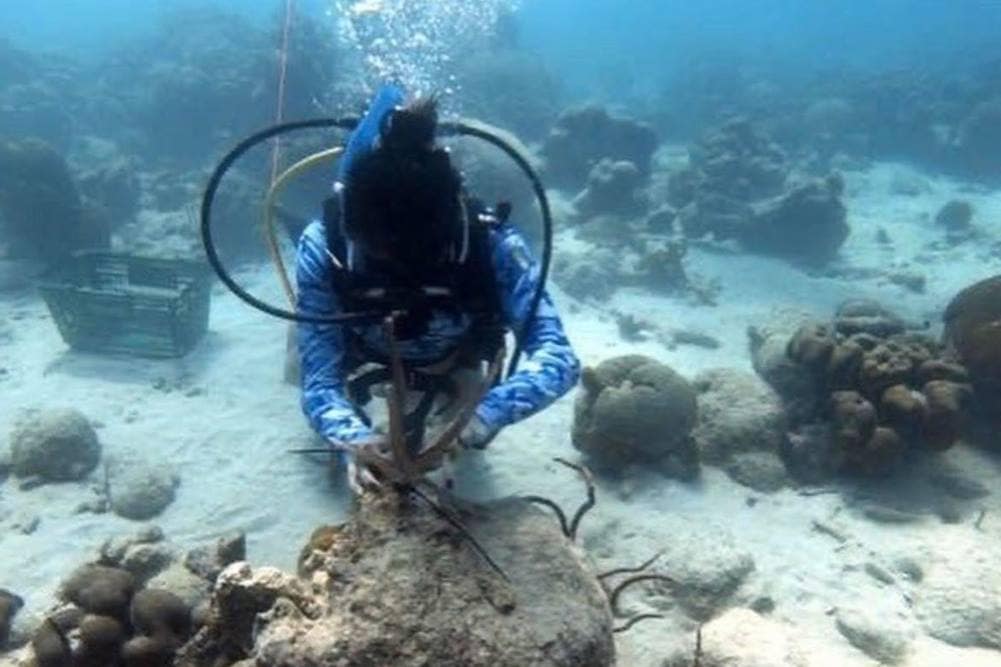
x: 274, y: 192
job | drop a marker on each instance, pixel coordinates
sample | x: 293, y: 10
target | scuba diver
x: 400, y: 236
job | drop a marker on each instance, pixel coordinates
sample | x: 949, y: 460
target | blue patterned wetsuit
x: 547, y: 371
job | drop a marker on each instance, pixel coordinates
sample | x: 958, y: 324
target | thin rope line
x: 282, y: 70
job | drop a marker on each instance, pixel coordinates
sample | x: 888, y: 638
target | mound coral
x: 127, y: 609
x: 973, y: 332
x: 888, y: 390
x: 635, y: 409
x: 54, y: 445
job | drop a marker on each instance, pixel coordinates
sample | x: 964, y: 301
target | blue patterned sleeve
x: 321, y: 346
x: 548, y: 368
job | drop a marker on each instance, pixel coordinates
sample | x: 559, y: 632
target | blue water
x: 593, y: 42
x: 649, y: 40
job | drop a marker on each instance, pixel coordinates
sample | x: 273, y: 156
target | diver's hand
x: 476, y: 434
x: 362, y: 475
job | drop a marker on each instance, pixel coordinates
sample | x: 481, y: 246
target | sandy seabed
x: 224, y: 420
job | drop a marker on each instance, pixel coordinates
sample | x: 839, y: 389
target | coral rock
x: 884, y: 366
x: 51, y: 647
x: 105, y: 591
x: 101, y: 638
x: 864, y: 316
x: 904, y: 409
x: 55, y: 445
x: 737, y: 413
x: 396, y: 585
x: 611, y: 188
x: 138, y: 488
x: 947, y: 405
x: 809, y: 223
x: 854, y: 419
x: 633, y: 409
x: 160, y: 613
x: 583, y: 136
x: 973, y: 331
x: 955, y: 216
x: 844, y: 365
x: 812, y: 346
x: 743, y: 637
x: 10, y: 604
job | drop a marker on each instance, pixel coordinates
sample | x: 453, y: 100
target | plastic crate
x: 123, y: 304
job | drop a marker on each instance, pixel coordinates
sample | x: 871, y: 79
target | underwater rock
x: 396, y: 585
x: 612, y: 188
x: 865, y: 447
x: 146, y: 561
x: 101, y: 639
x: 50, y: 646
x: 744, y: 637
x: 54, y: 445
x: 794, y: 382
x: 959, y: 600
x: 886, y: 365
x: 114, y: 549
x: 41, y: 209
x: 877, y: 635
x: 161, y: 615
x: 634, y: 409
x: 854, y: 419
x: 739, y: 161
x: 592, y: 275
x: 208, y: 561
x: 10, y: 604
x: 809, y: 223
x: 761, y: 471
x: 865, y: 316
x: 661, y: 267
x: 844, y: 365
x: 584, y: 135
x: 737, y: 412
x: 903, y: 409
x: 138, y: 488
x: 947, y: 404
x: 812, y: 346
x: 183, y: 583
x: 714, y: 215
x: 707, y: 566
x: 101, y: 590
x: 955, y: 216
x: 973, y: 332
